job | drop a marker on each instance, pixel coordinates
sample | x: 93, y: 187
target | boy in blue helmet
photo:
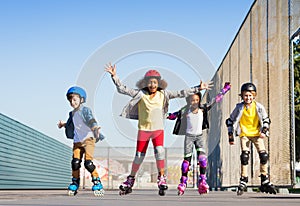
x: 83, y: 129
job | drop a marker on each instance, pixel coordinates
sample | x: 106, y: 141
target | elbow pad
x: 229, y: 122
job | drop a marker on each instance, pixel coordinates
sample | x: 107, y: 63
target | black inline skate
x: 126, y: 187
x: 162, y: 185
x: 242, y: 186
x: 266, y: 185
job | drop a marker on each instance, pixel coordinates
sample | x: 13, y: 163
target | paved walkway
x: 143, y: 198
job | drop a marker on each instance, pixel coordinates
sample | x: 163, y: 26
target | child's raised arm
x: 206, y: 85
x: 121, y: 88
x: 111, y: 69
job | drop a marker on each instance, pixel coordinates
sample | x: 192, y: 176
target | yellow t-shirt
x: 249, y: 122
x: 150, y: 111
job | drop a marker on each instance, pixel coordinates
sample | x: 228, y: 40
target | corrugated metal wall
x: 259, y: 54
x: 30, y: 159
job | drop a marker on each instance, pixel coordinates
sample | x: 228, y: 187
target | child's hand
x: 231, y: 138
x: 264, y: 132
x: 61, y: 124
x: 97, y: 132
x: 111, y: 69
x: 206, y: 85
x: 172, y: 116
x: 262, y: 135
x: 98, y: 136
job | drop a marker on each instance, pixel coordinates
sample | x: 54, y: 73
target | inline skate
x: 182, y: 186
x: 162, y: 185
x: 266, y: 185
x: 97, y: 187
x: 242, y: 186
x: 126, y: 187
x: 73, y: 187
x: 203, y: 187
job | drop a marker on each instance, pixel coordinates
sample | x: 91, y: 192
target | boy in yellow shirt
x: 250, y: 122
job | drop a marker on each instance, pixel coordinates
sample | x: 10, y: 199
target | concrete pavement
x: 143, y: 198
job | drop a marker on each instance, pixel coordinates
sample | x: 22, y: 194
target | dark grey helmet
x: 248, y: 87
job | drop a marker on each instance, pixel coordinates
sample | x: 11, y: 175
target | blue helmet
x: 77, y: 90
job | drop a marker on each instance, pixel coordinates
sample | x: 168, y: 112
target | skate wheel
x: 162, y: 192
x: 262, y: 189
x: 203, y: 189
x: 72, y: 192
x: 267, y: 190
x: 125, y: 192
x: 180, y: 193
x: 239, y: 192
x: 99, y: 193
x: 204, y: 192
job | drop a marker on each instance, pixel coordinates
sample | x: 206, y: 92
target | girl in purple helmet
x: 149, y: 105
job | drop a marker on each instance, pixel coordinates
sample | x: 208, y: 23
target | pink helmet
x: 152, y: 73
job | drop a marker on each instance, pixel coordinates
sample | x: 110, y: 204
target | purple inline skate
x: 203, y: 187
x: 183, y: 183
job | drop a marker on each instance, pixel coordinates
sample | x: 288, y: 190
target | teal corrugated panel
x: 30, y: 159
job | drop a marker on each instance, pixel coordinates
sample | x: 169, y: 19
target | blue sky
x: 45, y: 44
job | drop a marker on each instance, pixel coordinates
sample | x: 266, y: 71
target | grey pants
x: 190, y: 141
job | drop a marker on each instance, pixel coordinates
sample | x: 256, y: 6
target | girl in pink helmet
x: 149, y: 105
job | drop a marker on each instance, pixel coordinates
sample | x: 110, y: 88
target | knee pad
x: 159, y: 153
x: 139, y: 157
x: 244, y: 157
x: 264, y: 157
x: 88, y: 164
x: 76, y: 163
x: 185, y: 166
x: 203, y: 161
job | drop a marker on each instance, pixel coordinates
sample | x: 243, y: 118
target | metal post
x: 108, y: 169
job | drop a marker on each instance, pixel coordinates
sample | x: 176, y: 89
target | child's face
x: 247, y: 97
x: 75, y: 101
x: 152, y: 85
x: 194, y: 101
